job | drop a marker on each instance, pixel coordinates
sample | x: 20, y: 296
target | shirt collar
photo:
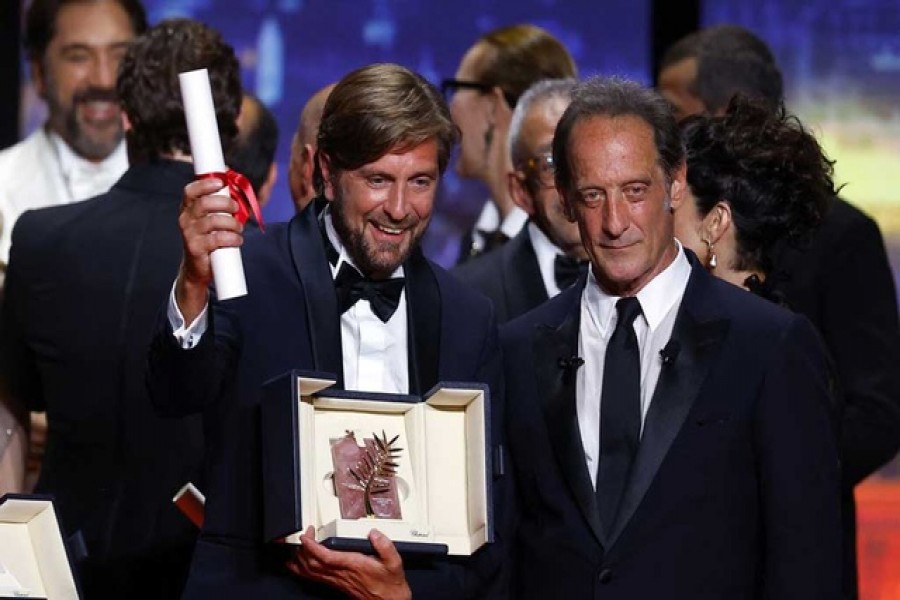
x: 514, y: 221
x: 546, y: 252
x: 656, y: 298
x: 489, y: 220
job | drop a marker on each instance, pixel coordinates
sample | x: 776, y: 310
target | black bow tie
x: 383, y: 295
x: 567, y: 270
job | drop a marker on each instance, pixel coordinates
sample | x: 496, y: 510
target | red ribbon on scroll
x: 241, y: 192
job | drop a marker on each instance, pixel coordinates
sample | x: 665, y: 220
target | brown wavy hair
x: 150, y: 94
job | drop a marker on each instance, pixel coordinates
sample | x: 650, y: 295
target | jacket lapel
x: 423, y: 309
x: 523, y: 285
x: 699, y: 332
x: 322, y: 320
x: 553, y: 346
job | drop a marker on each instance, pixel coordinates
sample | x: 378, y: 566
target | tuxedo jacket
x: 509, y: 276
x: 734, y: 489
x: 31, y: 177
x: 844, y: 284
x: 83, y: 290
x: 289, y: 320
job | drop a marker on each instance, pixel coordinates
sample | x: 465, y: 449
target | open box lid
x: 449, y: 469
x: 33, y: 556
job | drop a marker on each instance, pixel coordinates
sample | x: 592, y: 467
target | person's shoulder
x: 457, y: 295
x: 845, y: 221
x: 24, y: 149
x: 482, y: 269
x: 549, y: 314
x: 22, y: 161
x: 747, y: 311
x: 45, y: 228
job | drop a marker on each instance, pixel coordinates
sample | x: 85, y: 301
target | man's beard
x: 380, y: 261
x: 84, y: 141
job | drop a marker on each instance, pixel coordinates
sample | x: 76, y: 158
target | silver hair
x: 541, y: 91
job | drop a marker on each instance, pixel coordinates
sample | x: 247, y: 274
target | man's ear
x: 126, y: 122
x: 37, y: 78
x: 519, y: 192
x: 309, y: 162
x: 325, y: 169
x: 265, y: 190
x: 678, y: 186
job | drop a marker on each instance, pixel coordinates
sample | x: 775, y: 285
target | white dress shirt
x: 375, y: 354
x: 546, y: 253
x: 42, y: 170
x: 489, y: 221
x: 660, y: 300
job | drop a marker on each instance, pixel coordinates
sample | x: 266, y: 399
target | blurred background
x: 840, y: 60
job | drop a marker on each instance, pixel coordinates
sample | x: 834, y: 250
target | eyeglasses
x: 450, y: 86
x: 543, y: 170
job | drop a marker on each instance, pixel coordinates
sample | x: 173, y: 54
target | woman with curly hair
x: 757, y: 179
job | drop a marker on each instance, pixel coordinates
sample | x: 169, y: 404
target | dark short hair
x: 519, y: 56
x: 253, y: 151
x: 686, y: 47
x: 150, y: 93
x: 732, y: 60
x: 40, y: 22
x: 770, y: 170
x: 378, y: 108
x: 615, y: 97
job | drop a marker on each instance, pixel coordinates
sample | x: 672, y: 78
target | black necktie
x: 566, y: 270
x: 493, y: 239
x: 620, y: 412
x: 383, y: 295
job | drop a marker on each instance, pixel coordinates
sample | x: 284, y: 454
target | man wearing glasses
x: 546, y: 256
x: 491, y: 77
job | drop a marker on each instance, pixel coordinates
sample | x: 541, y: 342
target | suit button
x: 605, y: 576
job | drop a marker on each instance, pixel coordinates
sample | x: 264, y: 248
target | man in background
x: 842, y: 281
x: 73, y: 48
x: 83, y: 292
x: 483, y: 93
x: 253, y: 153
x: 303, y: 150
x: 546, y: 256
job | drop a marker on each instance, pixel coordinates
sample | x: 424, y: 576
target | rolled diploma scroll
x: 206, y: 149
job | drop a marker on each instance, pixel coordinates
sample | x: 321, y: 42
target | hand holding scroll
x: 207, y: 223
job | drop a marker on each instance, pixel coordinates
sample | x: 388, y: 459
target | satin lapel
x: 556, y: 389
x: 523, y: 285
x: 322, y: 319
x: 699, y: 333
x: 423, y: 306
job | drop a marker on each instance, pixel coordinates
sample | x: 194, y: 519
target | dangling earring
x: 711, y: 263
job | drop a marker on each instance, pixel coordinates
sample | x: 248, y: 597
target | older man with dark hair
x: 671, y: 434
x: 83, y: 291
x: 345, y: 290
